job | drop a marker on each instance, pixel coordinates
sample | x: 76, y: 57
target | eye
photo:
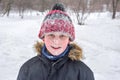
x: 63, y: 36
x: 51, y: 35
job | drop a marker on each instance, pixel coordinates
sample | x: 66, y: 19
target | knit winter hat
x: 57, y: 20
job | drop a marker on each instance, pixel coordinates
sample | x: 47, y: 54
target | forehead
x: 57, y: 33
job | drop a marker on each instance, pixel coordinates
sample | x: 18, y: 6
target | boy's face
x: 56, y: 42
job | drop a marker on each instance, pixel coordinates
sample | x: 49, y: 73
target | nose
x: 56, y: 40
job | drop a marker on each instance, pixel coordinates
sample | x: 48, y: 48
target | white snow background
x: 99, y: 39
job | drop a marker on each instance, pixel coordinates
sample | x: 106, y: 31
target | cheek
x: 65, y: 43
x: 47, y: 42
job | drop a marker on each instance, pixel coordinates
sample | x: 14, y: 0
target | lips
x: 56, y: 47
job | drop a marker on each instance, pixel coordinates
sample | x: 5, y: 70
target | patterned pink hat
x: 57, y: 21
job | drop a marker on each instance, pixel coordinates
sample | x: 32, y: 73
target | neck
x: 52, y: 57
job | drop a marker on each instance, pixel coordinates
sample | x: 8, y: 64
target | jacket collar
x: 74, y: 54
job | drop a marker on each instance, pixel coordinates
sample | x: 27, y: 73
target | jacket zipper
x: 51, y: 68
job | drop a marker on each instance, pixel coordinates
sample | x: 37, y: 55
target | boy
x: 58, y: 58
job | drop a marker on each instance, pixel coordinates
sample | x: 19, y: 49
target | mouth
x: 56, y: 48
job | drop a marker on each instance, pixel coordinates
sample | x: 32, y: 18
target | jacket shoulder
x: 85, y: 70
x: 31, y: 61
x: 82, y: 66
x: 23, y: 72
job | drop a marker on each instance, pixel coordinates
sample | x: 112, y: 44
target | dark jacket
x: 68, y: 67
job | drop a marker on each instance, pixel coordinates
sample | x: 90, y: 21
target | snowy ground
x: 99, y: 39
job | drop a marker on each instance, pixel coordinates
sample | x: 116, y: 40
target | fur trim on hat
x: 74, y: 54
